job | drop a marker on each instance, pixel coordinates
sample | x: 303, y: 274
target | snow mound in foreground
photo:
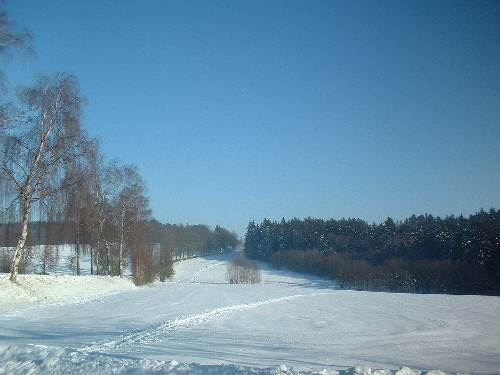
x: 59, y: 289
x: 40, y: 359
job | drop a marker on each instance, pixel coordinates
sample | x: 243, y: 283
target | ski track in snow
x: 158, y: 332
x: 197, y: 273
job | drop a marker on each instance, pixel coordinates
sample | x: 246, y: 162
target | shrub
x: 243, y: 271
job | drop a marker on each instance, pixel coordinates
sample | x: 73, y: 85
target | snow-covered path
x: 288, y: 319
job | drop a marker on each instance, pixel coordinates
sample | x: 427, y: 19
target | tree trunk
x: 122, y: 229
x: 96, y: 257
x: 44, y: 260
x: 77, y: 259
x: 22, y: 241
x: 108, y: 257
x: 78, y: 245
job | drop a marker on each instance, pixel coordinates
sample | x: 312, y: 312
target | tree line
x: 168, y: 243
x: 55, y: 174
x: 425, y: 254
x: 184, y: 240
x: 187, y: 241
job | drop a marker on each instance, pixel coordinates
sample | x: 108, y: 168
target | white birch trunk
x: 122, y: 239
x: 108, y: 257
x: 78, y: 245
x: 20, y: 245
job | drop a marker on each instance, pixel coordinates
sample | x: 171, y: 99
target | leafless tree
x: 143, y: 265
x: 131, y: 207
x: 38, y: 146
x: 166, y: 266
x: 78, y: 207
x: 11, y: 38
x: 98, y: 207
x: 242, y: 271
x: 48, y: 255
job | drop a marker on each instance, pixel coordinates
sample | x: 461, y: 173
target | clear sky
x: 237, y: 110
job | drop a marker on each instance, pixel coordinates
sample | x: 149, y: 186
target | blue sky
x: 239, y: 110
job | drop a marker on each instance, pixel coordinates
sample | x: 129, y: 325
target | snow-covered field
x: 198, y: 323
x: 35, y: 290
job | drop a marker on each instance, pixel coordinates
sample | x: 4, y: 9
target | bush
x: 243, y: 271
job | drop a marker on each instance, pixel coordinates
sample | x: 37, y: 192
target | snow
x: 198, y: 323
x: 58, y: 289
x: 36, y: 359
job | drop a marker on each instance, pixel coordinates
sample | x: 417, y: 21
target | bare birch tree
x: 78, y: 208
x: 11, y: 38
x: 131, y: 206
x: 37, y: 146
x: 120, y: 204
x: 98, y: 205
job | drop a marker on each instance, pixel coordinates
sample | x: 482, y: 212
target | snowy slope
x: 288, y: 319
x: 35, y: 290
